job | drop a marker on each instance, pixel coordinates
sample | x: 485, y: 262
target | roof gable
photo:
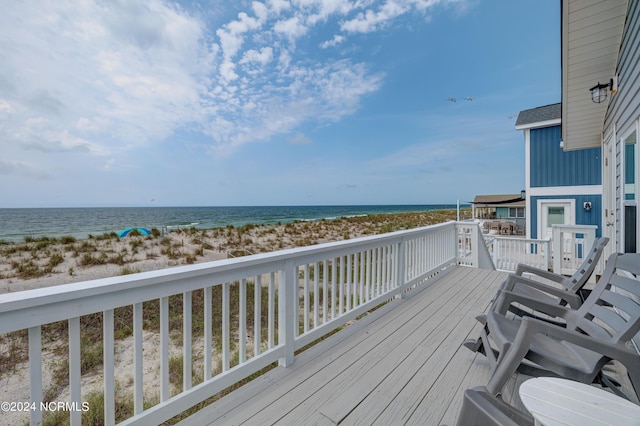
x: 547, y: 115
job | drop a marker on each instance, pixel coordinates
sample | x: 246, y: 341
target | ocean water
x: 16, y: 224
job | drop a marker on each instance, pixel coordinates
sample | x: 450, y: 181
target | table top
x: 554, y: 401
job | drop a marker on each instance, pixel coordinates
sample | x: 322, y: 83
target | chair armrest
x: 506, y: 298
x: 617, y: 351
x: 513, y: 281
x: 513, y: 354
x: 522, y: 268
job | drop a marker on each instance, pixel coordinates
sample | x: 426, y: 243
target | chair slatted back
x: 612, y: 311
x: 580, y: 277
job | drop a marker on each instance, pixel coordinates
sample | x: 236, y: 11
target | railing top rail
x: 165, y: 282
x: 518, y: 240
x: 575, y: 227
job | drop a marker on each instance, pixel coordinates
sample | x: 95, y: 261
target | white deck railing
x: 282, y: 301
x: 563, y: 253
x: 570, y: 244
x: 507, y: 252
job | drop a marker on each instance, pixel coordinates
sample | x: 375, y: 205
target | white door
x: 554, y: 212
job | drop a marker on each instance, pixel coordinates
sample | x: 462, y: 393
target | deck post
x: 400, y: 271
x: 287, y: 306
x: 475, y: 247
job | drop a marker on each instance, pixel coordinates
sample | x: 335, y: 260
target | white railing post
x: 475, y: 250
x: 109, y: 367
x: 558, y: 249
x: 286, y: 309
x: 138, y: 393
x: 547, y: 250
x: 35, y: 372
x: 75, y: 377
x: 400, y: 271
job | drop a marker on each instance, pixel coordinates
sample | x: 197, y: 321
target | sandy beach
x: 45, y: 262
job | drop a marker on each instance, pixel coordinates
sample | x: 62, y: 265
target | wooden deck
x: 402, y: 364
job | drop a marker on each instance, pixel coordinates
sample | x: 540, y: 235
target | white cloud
x: 337, y: 39
x: 262, y: 56
x: 80, y: 68
x: 101, y: 78
x: 291, y: 28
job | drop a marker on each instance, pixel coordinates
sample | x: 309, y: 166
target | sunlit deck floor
x: 402, y: 364
x: 398, y: 365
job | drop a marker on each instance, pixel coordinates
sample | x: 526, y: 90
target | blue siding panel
x: 551, y: 166
x: 583, y: 217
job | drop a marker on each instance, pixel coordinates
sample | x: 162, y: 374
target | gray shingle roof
x: 536, y: 115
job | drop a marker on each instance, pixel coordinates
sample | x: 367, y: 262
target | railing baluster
x: 295, y: 289
x: 349, y: 274
x: 242, y: 329
x: 164, y: 349
x: 363, y: 297
x: 341, y: 281
x: 368, y: 276
x: 378, y: 272
x: 35, y: 373
x: 138, y: 389
x: 325, y: 291
x: 208, y: 333
x: 385, y: 262
x: 334, y: 277
x: 316, y: 294
x: 257, y: 314
x: 225, y: 326
x: 109, y: 368
x: 75, y: 363
x: 305, y: 297
x: 271, y: 312
x: 187, y: 349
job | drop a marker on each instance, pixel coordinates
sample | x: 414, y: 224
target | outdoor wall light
x: 599, y: 92
x: 523, y: 194
x: 587, y: 206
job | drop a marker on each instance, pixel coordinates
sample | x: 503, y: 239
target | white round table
x: 555, y: 402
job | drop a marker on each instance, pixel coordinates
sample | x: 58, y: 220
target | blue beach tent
x: 126, y: 231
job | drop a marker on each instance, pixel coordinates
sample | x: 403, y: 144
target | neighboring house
x: 601, y: 47
x: 499, y: 206
x: 561, y: 187
x: 507, y: 208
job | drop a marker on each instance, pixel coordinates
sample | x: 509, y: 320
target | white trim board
x: 547, y: 191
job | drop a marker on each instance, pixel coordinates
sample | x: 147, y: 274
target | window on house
x: 516, y: 212
x: 629, y: 167
x: 630, y: 203
x: 555, y: 216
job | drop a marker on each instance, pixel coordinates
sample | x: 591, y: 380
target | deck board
x: 401, y: 364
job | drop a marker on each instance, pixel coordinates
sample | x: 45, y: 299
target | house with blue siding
x: 601, y: 105
x: 561, y: 187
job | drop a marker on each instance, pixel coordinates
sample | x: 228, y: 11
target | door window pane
x: 555, y: 216
x: 630, y: 167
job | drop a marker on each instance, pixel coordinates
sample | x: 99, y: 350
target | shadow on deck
x: 401, y: 364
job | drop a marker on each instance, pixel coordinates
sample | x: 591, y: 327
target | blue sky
x: 273, y: 102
